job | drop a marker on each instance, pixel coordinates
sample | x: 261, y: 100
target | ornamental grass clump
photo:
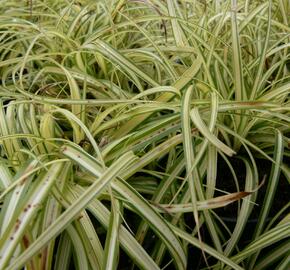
x: 144, y: 134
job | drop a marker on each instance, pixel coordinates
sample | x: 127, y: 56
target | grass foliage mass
x: 130, y: 129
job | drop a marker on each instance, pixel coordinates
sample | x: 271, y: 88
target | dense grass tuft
x: 144, y: 133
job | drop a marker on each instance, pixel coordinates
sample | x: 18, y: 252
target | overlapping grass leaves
x: 114, y: 118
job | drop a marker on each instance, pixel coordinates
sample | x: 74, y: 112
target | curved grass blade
x: 143, y: 208
x: 64, y: 253
x: 188, y: 154
x: 15, y: 230
x: 195, y: 242
x: 267, y: 239
x: 110, y: 261
x: 273, y: 256
x: 196, y: 119
x: 79, y: 250
x: 271, y: 190
x: 127, y: 241
x: 179, y: 84
x: 65, y: 218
